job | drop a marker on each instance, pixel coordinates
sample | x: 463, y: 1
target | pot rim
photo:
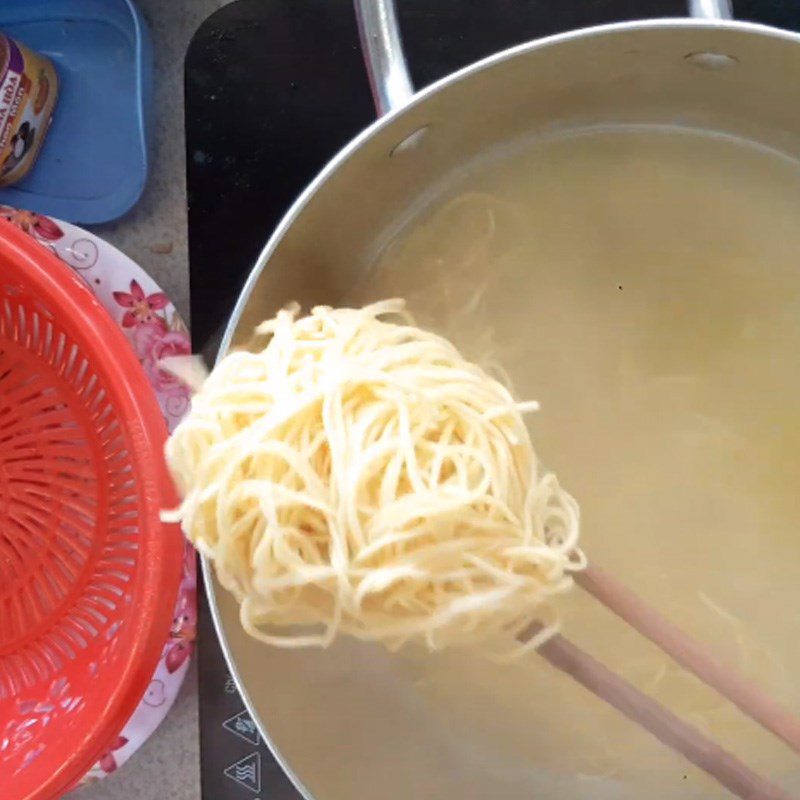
x: 303, y: 199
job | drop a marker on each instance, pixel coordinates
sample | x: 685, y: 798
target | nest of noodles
x: 354, y: 474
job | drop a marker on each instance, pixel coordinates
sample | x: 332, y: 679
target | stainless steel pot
x: 329, y: 717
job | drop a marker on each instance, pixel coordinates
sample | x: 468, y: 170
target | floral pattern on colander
x: 155, y: 330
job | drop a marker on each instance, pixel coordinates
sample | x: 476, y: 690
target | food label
x: 28, y: 85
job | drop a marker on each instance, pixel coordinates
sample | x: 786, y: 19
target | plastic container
x: 93, y: 167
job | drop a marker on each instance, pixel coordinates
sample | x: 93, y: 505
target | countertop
x: 154, y: 235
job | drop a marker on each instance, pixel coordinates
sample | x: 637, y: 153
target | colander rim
x: 161, y: 556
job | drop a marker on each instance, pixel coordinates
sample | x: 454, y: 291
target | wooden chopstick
x: 717, y: 762
x: 691, y: 654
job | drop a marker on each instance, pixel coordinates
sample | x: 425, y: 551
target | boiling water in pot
x: 644, y: 285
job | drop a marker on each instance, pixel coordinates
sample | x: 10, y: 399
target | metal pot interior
x: 612, y: 216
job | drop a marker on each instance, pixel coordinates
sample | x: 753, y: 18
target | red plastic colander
x: 88, y: 573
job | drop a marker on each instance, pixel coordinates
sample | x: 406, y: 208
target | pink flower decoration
x: 154, y: 342
x: 177, y: 654
x: 141, y: 307
x: 190, y: 567
x: 183, y: 631
x: 107, y: 761
x: 37, y: 225
x: 184, y: 624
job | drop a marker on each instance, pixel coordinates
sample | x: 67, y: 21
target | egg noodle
x: 354, y: 474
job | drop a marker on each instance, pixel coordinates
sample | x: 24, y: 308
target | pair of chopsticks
x: 687, y: 740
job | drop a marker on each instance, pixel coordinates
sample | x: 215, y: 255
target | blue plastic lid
x: 93, y: 164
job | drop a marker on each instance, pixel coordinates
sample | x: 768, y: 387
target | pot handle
x: 388, y: 73
x: 386, y: 62
x: 711, y: 9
